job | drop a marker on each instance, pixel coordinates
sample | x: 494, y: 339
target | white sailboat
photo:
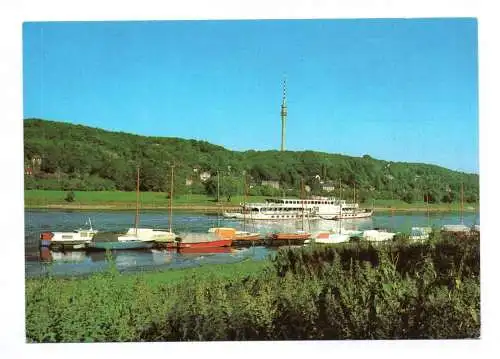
x: 146, y: 234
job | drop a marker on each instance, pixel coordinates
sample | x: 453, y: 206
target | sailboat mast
x: 244, y: 202
x: 218, y: 199
x: 171, y: 197
x: 136, y: 223
x: 220, y: 205
x: 302, y: 200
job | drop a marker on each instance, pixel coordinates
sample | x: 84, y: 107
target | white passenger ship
x: 295, y: 209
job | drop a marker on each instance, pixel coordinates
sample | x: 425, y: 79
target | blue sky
x: 399, y: 90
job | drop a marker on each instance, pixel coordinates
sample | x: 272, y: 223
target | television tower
x: 283, y: 116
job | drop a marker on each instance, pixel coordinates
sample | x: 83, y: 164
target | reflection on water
x: 110, y: 224
x: 82, y: 263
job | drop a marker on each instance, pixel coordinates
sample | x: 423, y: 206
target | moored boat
x: 244, y: 239
x: 137, y: 234
x: 77, y: 239
x: 119, y: 245
x: 375, y: 235
x: 327, y: 237
x: 420, y: 233
x: 147, y: 235
x: 239, y: 238
x: 287, y: 238
x: 200, y: 243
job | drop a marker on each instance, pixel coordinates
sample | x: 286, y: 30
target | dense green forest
x: 73, y: 157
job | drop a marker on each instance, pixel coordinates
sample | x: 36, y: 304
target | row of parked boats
x: 220, y: 237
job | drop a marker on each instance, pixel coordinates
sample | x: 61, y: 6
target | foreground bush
x: 355, y: 301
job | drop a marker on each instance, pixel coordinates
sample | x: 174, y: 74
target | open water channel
x: 73, y: 263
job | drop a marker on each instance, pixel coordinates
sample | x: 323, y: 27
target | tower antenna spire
x: 283, y: 115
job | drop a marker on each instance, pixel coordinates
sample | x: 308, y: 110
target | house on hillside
x: 273, y: 184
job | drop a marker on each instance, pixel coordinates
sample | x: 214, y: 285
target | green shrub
x: 70, y: 197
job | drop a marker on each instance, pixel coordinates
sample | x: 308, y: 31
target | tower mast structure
x: 283, y: 116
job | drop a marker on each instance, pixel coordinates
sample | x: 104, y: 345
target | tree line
x: 64, y: 156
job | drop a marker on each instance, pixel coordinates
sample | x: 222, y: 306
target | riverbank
x: 117, y: 200
x: 345, y: 291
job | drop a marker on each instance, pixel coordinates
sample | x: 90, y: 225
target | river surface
x: 72, y: 263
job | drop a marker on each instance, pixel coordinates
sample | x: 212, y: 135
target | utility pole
x: 171, y: 195
x: 136, y: 224
x: 217, y: 186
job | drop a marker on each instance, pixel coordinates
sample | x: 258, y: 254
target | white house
x: 274, y: 184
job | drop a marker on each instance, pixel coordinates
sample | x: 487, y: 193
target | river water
x: 82, y: 263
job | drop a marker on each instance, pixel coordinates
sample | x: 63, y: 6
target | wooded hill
x: 73, y: 157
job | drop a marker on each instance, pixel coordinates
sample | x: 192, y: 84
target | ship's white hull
x: 268, y: 217
x: 354, y: 215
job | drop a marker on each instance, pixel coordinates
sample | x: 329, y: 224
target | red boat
x: 207, y: 244
x: 290, y: 236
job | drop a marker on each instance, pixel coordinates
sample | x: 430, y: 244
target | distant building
x: 205, y: 176
x: 189, y: 182
x: 273, y: 184
x: 28, y: 171
x: 36, y: 162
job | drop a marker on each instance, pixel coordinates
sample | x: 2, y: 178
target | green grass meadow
x: 41, y: 198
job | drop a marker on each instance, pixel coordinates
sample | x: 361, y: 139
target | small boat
x: 77, y: 239
x: 147, y: 235
x: 377, y: 235
x: 239, y: 238
x: 119, y: 245
x: 284, y: 236
x: 200, y: 243
x: 137, y: 234
x: 287, y: 238
x: 216, y: 237
x: 328, y: 237
x: 244, y: 239
x: 420, y: 233
x: 455, y: 228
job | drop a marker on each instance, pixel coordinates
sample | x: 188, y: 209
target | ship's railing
x: 287, y: 205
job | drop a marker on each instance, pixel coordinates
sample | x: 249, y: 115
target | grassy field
x: 123, y: 200
x: 151, y: 200
x: 345, y: 291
